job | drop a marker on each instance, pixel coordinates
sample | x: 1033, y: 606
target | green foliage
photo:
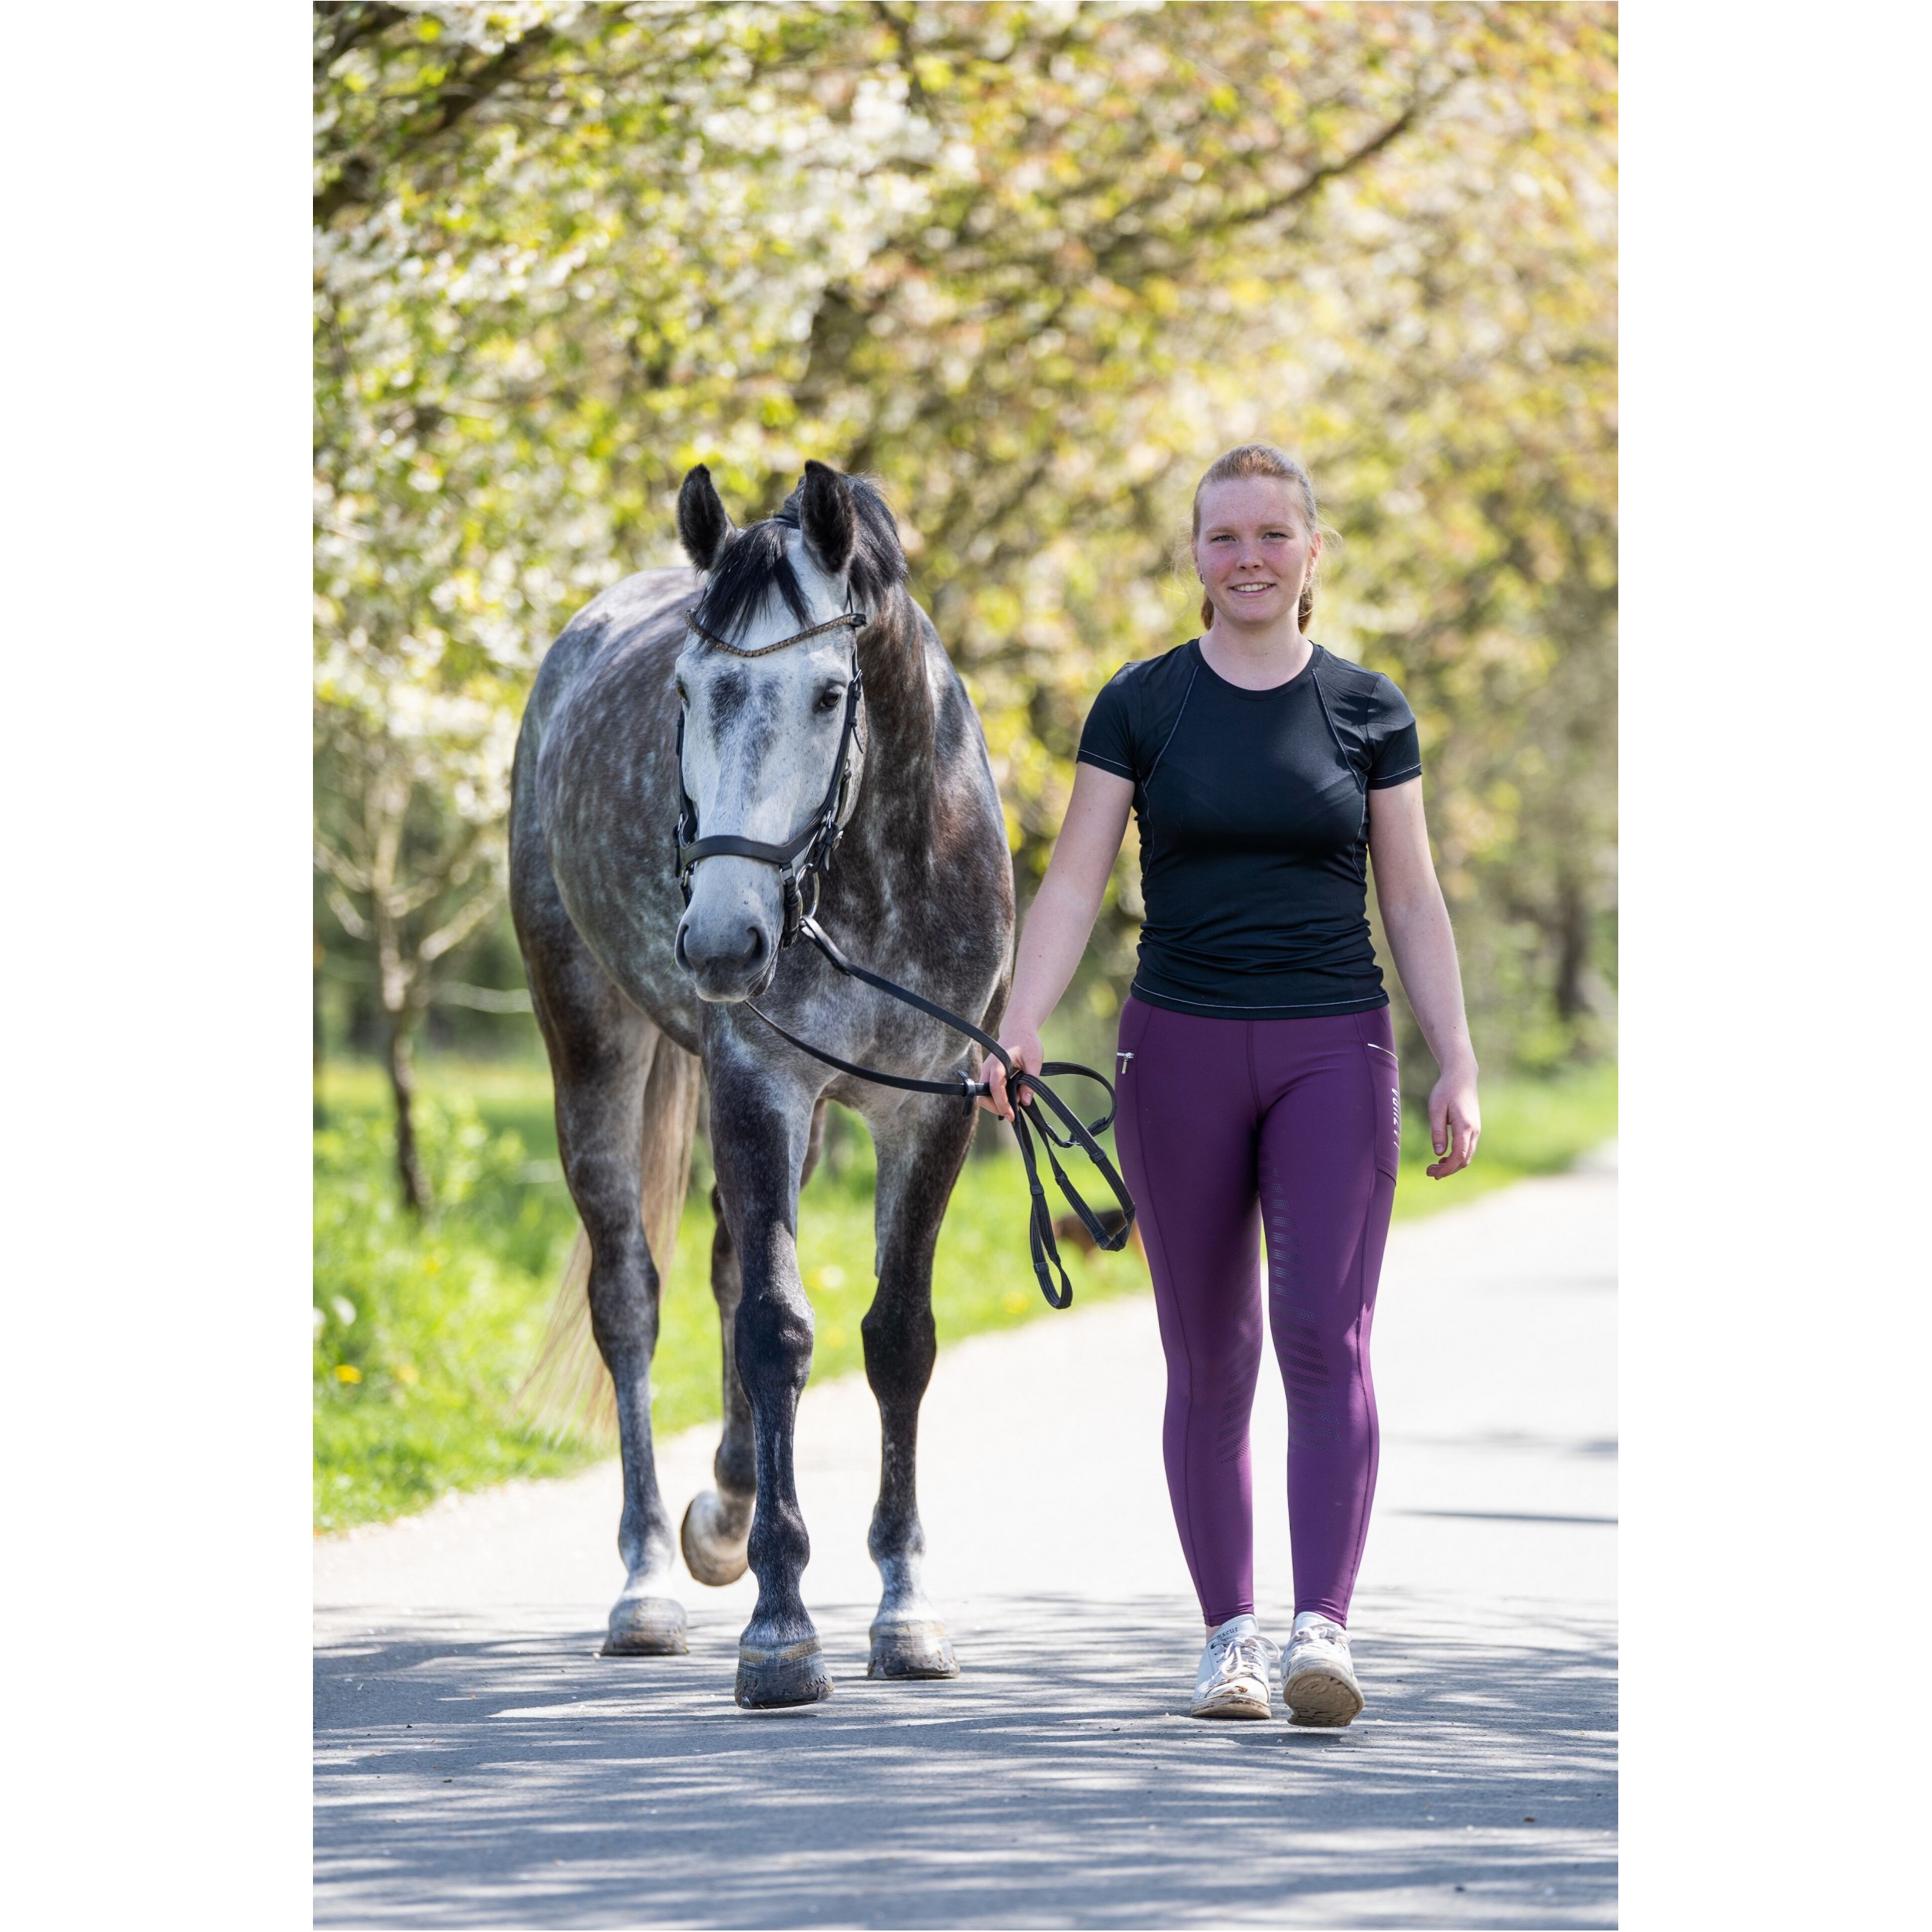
x: 1033, y: 265
x: 436, y: 1322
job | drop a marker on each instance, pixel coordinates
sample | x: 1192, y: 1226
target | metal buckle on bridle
x: 792, y: 886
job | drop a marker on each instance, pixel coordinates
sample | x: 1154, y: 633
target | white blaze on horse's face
x: 761, y: 739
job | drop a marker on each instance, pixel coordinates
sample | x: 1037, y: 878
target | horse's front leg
x: 718, y: 1523
x: 920, y: 1153
x: 759, y: 1130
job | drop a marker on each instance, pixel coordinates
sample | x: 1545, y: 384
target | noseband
x: 807, y: 854
x: 801, y: 862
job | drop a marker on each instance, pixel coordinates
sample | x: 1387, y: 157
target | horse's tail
x: 568, y: 1390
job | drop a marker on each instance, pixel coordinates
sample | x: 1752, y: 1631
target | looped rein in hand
x: 1028, y: 1091
x: 801, y: 861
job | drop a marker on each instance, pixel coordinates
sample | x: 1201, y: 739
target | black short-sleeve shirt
x: 1253, y: 810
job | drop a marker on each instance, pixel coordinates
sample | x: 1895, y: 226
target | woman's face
x: 1254, y: 552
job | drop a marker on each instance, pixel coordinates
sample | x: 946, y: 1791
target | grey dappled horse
x: 636, y: 992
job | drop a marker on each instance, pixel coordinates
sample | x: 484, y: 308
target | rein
x: 801, y: 862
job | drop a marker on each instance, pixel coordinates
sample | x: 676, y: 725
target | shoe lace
x: 1252, y: 1654
x: 1332, y: 1634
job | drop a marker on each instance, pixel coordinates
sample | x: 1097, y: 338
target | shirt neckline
x: 1269, y: 691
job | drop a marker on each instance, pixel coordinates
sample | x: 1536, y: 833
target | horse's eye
x: 684, y: 696
x: 832, y: 697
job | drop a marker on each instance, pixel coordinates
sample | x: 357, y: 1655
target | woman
x: 1258, y: 1072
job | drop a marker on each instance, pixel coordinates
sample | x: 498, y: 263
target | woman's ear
x: 703, y: 529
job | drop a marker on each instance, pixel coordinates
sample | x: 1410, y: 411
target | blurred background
x: 1032, y: 267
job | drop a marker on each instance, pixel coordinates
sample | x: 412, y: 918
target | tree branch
x: 354, y: 24
x: 486, y: 901
x: 349, y: 919
x: 482, y: 999
x: 355, y: 185
x: 341, y: 870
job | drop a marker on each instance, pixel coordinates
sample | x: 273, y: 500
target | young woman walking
x: 1257, y: 1068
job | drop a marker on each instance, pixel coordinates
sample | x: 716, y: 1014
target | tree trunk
x: 402, y: 1077
x: 1572, y: 949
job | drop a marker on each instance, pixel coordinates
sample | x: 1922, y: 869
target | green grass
x: 423, y: 1332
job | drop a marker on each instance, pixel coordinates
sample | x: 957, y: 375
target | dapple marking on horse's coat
x: 636, y: 993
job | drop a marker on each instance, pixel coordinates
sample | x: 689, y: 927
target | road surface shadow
x: 466, y: 1777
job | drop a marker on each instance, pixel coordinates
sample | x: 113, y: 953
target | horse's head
x: 763, y: 733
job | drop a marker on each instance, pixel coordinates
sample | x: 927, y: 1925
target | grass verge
x: 423, y: 1331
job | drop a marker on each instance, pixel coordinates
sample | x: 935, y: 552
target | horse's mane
x: 754, y: 563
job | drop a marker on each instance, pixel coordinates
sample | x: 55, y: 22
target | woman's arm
x: 1417, y: 923
x: 1060, y: 919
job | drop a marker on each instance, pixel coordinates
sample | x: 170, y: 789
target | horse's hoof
x: 647, y: 1627
x: 717, y: 1535
x: 911, y: 1647
x: 774, y: 1679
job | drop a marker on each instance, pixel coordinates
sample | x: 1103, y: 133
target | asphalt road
x: 1058, y: 1781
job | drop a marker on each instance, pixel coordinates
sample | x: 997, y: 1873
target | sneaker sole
x: 1321, y: 1697
x: 1235, y: 1705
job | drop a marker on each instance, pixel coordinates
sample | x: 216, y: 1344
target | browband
x: 852, y: 617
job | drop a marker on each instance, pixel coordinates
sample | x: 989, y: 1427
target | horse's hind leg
x: 717, y: 1524
x: 626, y: 1105
x: 716, y: 1530
x: 920, y: 1154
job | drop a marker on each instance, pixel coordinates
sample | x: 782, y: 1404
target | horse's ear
x: 825, y: 518
x: 703, y: 529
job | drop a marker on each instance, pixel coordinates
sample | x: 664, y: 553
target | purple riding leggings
x: 1227, y: 1126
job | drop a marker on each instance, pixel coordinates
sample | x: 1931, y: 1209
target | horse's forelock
x: 754, y: 565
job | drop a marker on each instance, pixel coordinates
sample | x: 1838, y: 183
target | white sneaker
x: 1232, y: 1681
x: 1317, y: 1674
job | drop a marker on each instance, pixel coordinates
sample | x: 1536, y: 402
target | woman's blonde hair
x: 1262, y: 459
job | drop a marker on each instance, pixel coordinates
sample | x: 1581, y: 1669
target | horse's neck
x: 902, y: 723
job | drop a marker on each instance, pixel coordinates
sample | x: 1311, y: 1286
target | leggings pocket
x: 1385, y: 1078
x: 1135, y: 1016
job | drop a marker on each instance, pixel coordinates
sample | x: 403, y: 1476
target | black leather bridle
x: 807, y: 854
x: 801, y: 862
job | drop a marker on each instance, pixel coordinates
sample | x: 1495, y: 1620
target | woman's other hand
x: 1416, y: 922
x: 1455, y: 1122
x: 1028, y: 1056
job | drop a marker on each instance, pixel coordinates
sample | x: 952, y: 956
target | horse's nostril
x: 677, y: 951
x: 755, y: 951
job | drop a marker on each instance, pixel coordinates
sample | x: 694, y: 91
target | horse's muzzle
x: 733, y: 961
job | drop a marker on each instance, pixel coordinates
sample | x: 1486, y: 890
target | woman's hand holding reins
x: 1022, y: 1044
x: 1062, y: 915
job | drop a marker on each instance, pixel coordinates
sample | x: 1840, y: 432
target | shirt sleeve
x: 1395, y: 753
x: 1107, y: 738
